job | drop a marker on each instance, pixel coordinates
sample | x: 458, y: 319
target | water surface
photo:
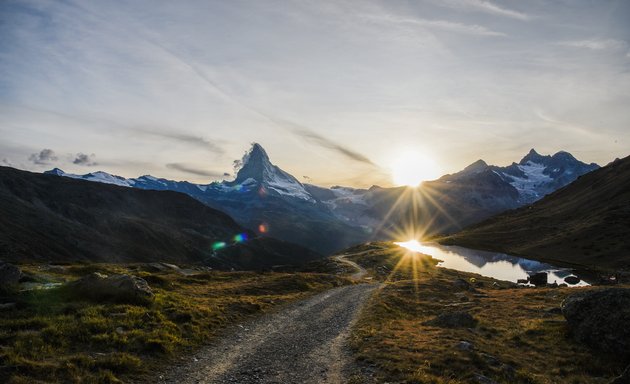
x: 491, y: 264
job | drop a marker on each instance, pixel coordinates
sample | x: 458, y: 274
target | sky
x: 335, y: 91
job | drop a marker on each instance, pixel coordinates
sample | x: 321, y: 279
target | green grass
x: 516, y: 340
x: 52, y: 337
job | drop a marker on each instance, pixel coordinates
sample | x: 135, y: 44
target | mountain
x: 264, y: 197
x: 48, y: 218
x: 454, y: 201
x: 585, y: 223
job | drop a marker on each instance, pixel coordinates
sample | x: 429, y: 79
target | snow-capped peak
x: 257, y: 166
x: 99, y: 176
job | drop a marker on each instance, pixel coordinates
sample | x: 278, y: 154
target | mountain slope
x: 586, y: 223
x: 48, y: 218
x: 263, y: 196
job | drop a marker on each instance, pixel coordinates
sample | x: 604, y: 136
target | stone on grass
x: 600, y: 319
x: 9, y: 275
x: 117, y: 288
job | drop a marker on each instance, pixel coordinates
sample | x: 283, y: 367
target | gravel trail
x: 303, y: 343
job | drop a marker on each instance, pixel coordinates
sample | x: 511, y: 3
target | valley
x: 327, y: 220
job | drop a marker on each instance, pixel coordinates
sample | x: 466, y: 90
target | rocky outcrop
x: 600, y: 319
x: 9, y: 275
x: 117, y: 288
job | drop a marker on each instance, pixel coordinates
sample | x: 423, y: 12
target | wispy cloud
x: 596, y: 44
x: 443, y: 25
x: 84, y: 159
x: 44, y: 157
x: 195, y: 171
x: 329, y: 144
x: 183, y: 137
x: 486, y: 7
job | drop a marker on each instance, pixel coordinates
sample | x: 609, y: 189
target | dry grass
x: 50, y: 337
x: 520, y: 337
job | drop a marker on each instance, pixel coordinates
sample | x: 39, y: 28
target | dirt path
x: 303, y: 343
x: 360, y: 271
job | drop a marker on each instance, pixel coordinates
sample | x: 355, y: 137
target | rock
x: 491, y: 360
x: 495, y: 285
x: 572, y: 280
x: 538, y: 279
x: 118, y: 288
x: 9, y: 275
x: 461, y: 284
x: 465, y: 346
x: 624, y: 378
x: 600, y: 319
x: 522, y: 281
x: 453, y: 320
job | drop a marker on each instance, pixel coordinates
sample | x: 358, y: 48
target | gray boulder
x: 453, y: 320
x: 9, y: 275
x: 117, y: 288
x: 600, y: 319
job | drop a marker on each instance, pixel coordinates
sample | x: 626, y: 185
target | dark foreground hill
x: 53, y: 219
x: 586, y: 223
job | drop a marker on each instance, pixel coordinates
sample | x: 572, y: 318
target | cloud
x: 194, y: 171
x: 596, y: 44
x: 44, y: 157
x: 83, y: 159
x: 322, y: 141
x: 484, y: 6
x: 449, y: 26
x: 6, y: 162
x: 184, y: 138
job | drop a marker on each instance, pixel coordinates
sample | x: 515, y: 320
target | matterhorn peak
x: 256, y: 166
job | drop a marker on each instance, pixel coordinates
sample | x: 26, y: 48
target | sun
x: 412, y: 168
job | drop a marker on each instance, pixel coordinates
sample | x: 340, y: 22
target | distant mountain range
x: 51, y: 219
x: 585, y: 223
x: 267, y: 199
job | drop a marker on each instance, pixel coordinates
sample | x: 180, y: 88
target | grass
x: 52, y: 337
x: 520, y: 336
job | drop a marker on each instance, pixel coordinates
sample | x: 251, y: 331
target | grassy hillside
x: 51, y: 218
x: 519, y: 335
x: 50, y: 336
x: 585, y: 223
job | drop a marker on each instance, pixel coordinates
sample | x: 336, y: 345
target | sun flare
x: 412, y: 245
x: 412, y: 168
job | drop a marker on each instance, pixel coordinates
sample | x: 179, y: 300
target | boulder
x: 600, y: 319
x: 118, y: 288
x: 572, y: 280
x: 453, y: 320
x: 9, y: 275
x: 461, y: 284
x: 538, y: 279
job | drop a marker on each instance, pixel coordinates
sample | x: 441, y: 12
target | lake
x: 491, y: 264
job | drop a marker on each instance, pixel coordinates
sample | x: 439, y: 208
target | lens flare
x: 263, y: 228
x: 218, y: 245
x: 240, y: 238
